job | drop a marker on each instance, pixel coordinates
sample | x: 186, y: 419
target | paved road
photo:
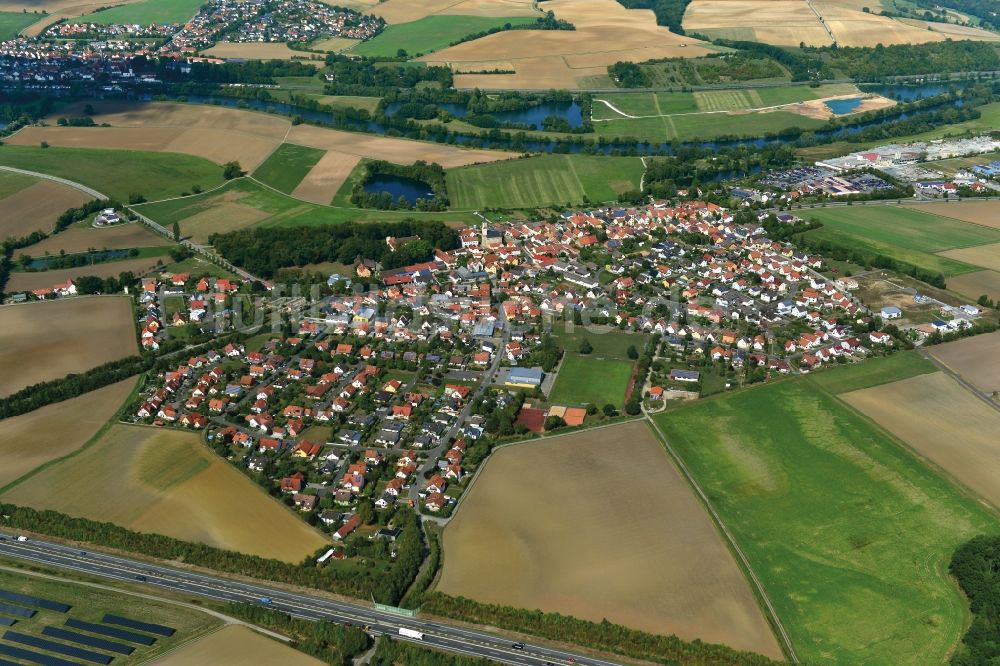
x: 436, y: 634
x: 55, y: 179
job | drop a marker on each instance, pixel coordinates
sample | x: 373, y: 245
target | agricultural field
x: 846, y: 378
x: 145, y: 12
x: 287, y: 166
x: 89, y: 602
x: 692, y: 126
x: 236, y: 644
x: 167, y: 482
x: 559, y: 540
x: 976, y: 360
x: 942, y: 421
x: 116, y: 173
x: 12, y: 182
x: 430, y: 34
x: 71, y: 335
x: 984, y: 256
x: 83, y: 238
x: 404, y: 11
x: 974, y: 285
x: 332, y: 173
x: 258, y: 51
x: 334, y: 44
x: 543, y: 180
x: 12, y: 23
x: 28, y: 281
x: 985, y: 213
x: 353, y: 101
x: 51, y: 432
x: 605, y: 33
x: 35, y: 207
x: 848, y: 531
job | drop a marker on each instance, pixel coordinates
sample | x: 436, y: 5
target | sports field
x: 287, y: 166
x: 117, y: 173
x: 33, y: 439
x: 975, y: 359
x: 849, y: 532
x: 148, y: 11
x: 599, y: 524
x: 431, y: 33
x: 36, y: 207
x: 11, y: 23
x: 583, y: 380
x: 942, y: 421
x: 237, y: 644
x: 167, y: 482
x: 543, y: 180
x: 48, y: 340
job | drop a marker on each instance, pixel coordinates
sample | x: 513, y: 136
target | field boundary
x: 744, y: 563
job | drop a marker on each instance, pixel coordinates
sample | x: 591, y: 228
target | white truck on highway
x: 410, y: 633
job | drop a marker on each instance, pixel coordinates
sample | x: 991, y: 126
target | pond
x: 568, y: 111
x: 842, y: 106
x: 908, y: 93
x: 398, y: 186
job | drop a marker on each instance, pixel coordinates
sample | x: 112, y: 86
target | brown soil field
x: 792, y: 36
x: 236, y: 645
x: 869, y: 30
x: 605, y: 33
x: 21, y: 281
x: 257, y: 51
x: 57, y: 10
x: 976, y: 360
x: 598, y: 525
x: 942, y: 421
x: 48, y: 340
x: 334, y: 44
x: 81, y: 239
x: 36, y: 208
x: 952, y: 31
x: 54, y: 431
x: 225, y: 216
x: 987, y: 256
x: 401, y: 151
x: 974, y: 285
x: 324, y: 179
x: 165, y: 481
x: 404, y: 11
x: 986, y: 213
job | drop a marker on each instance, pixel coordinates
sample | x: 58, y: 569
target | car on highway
x: 265, y: 600
x: 22, y: 538
x: 141, y: 578
x: 517, y: 646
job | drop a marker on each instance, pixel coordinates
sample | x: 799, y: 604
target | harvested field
x: 401, y: 11
x: 23, y: 281
x: 228, y: 214
x: 942, y: 421
x: 334, y: 44
x: 57, y: 11
x: 324, y: 179
x: 871, y: 30
x: 236, y: 645
x: 167, y: 482
x: 570, y: 540
x: 12, y: 183
x: 605, y: 33
x: 81, y: 239
x: 33, y: 439
x: 64, y: 336
x: 976, y: 360
x: 974, y: 285
x: 952, y: 31
x: 987, y: 256
x: 257, y: 51
x: 37, y: 207
x: 986, y: 213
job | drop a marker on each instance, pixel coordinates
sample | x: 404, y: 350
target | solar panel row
x: 7, y: 622
x: 59, y: 648
x: 37, y: 602
x: 141, y: 626
x: 34, y: 657
x: 129, y: 636
x: 91, y: 641
x: 16, y: 610
x: 4, y: 662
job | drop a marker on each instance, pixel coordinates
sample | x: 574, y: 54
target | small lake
x: 842, y: 106
x: 907, y: 93
x: 398, y: 186
x: 569, y: 111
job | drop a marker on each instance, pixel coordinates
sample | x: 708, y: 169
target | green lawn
x: 118, y: 173
x: 609, y: 343
x: 148, y: 11
x: 285, y: 168
x: 584, y: 379
x: 844, y: 378
x: 431, y: 33
x: 542, y: 180
x: 353, y: 101
x: 848, y: 532
x: 12, y: 183
x: 11, y: 23
x: 704, y: 125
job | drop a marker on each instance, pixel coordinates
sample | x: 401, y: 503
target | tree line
x: 430, y: 174
x: 975, y: 565
x: 669, y: 13
x: 395, y: 653
x: 332, y: 643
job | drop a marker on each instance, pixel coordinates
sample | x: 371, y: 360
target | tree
x: 232, y: 170
x: 586, y: 347
x: 632, y: 352
x: 633, y: 406
x: 610, y: 410
x: 177, y: 232
x: 554, y: 423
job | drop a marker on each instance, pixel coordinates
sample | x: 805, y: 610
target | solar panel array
x: 91, y: 641
x: 34, y: 657
x: 7, y: 622
x: 59, y: 648
x: 37, y: 602
x: 114, y: 632
x: 16, y: 610
x: 141, y: 626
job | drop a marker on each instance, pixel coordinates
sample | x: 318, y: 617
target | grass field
x: 543, y: 180
x: 43, y: 341
x: 12, y: 23
x: 167, y: 482
x: 902, y: 365
x: 975, y: 359
x: 118, y: 173
x: 36, y: 208
x: 90, y: 602
x: 287, y: 166
x: 12, y: 183
x: 944, y: 422
x: 985, y: 213
x: 33, y: 439
x: 147, y: 11
x: 82, y: 238
x: 704, y: 126
x: 430, y: 34
x: 546, y: 526
x: 849, y: 533
x: 237, y: 644
x: 353, y: 101
x: 583, y: 380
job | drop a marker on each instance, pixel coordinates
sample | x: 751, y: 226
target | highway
x: 442, y: 636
